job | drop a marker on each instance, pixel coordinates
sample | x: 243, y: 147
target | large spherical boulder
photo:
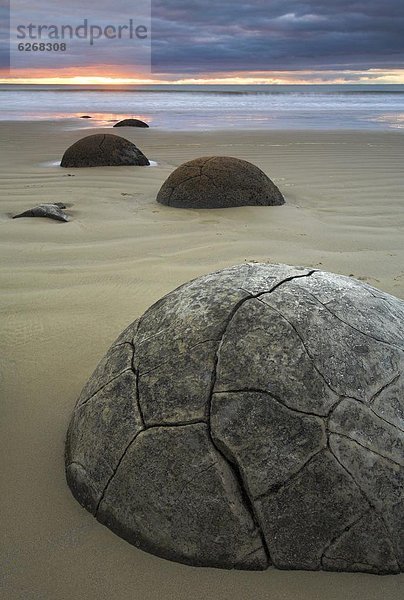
x: 103, y: 150
x: 218, y: 182
x: 253, y: 416
x: 131, y: 123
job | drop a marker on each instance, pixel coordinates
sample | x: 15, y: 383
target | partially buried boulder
x: 218, y: 182
x: 253, y: 416
x: 131, y: 123
x: 103, y: 150
x: 49, y: 210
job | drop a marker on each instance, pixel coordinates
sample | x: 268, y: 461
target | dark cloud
x: 190, y: 37
x: 258, y: 35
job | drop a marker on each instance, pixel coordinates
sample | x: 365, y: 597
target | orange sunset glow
x: 108, y: 76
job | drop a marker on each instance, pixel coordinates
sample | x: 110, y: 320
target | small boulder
x: 51, y: 211
x: 218, y: 182
x: 103, y: 150
x: 131, y: 123
x: 85, y: 117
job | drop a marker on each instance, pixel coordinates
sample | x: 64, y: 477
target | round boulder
x: 103, y: 150
x: 131, y: 123
x: 251, y: 417
x: 218, y: 182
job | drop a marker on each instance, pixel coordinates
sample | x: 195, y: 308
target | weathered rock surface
x: 102, y: 150
x: 131, y: 123
x: 218, y: 182
x: 253, y: 416
x: 51, y: 211
x: 189, y: 484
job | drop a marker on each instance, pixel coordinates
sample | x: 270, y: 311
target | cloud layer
x: 219, y: 38
x: 260, y: 35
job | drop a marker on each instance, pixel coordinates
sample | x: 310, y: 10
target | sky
x: 258, y: 41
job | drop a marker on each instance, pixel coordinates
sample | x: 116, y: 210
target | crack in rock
x: 341, y: 533
x: 176, y: 424
x: 368, y: 448
x: 101, y: 143
x: 234, y: 466
x: 385, y: 387
x: 180, y: 354
x: 367, y: 499
x: 84, y: 402
x: 368, y: 335
x: 304, y: 346
x: 136, y: 373
x: 369, y: 520
x: 198, y: 474
x: 275, y: 489
x: 367, y: 406
x: 277, y: 399
x: 116, y: 470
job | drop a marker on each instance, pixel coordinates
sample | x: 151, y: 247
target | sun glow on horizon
x: 371, y: 76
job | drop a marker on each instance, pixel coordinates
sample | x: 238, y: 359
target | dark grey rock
x: 252, y: 416
x: 50, y: 211
x: 277, y: 361
x: 361, y: 424
x: 382, y: 482
x: 388, y: 403
x: 111, y: 418
x: 267, y: 440
x: 102, y: 150
x: 317, y: 504
x: 85, y: 117
x: 218, y: 182
x: 188, y: 484
x: 131, y: 123
x: 118, y: 360
x: 352, y: 552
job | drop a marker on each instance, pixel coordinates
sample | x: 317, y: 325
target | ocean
x: 277, y: 107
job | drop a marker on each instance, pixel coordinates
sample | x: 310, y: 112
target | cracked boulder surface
x: 251, y: 417
x: 131, y: 123
x: 103, y: 150
x: 218, y: 182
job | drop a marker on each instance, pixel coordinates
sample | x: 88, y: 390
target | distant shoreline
x: 207, y: 108
x: 213, y: 88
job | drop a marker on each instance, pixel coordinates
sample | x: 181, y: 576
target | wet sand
x: 67, y: 290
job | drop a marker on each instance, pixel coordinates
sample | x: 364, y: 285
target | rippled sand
x: 67, y: 290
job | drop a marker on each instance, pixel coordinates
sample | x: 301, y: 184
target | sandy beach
x: 68, y: 289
